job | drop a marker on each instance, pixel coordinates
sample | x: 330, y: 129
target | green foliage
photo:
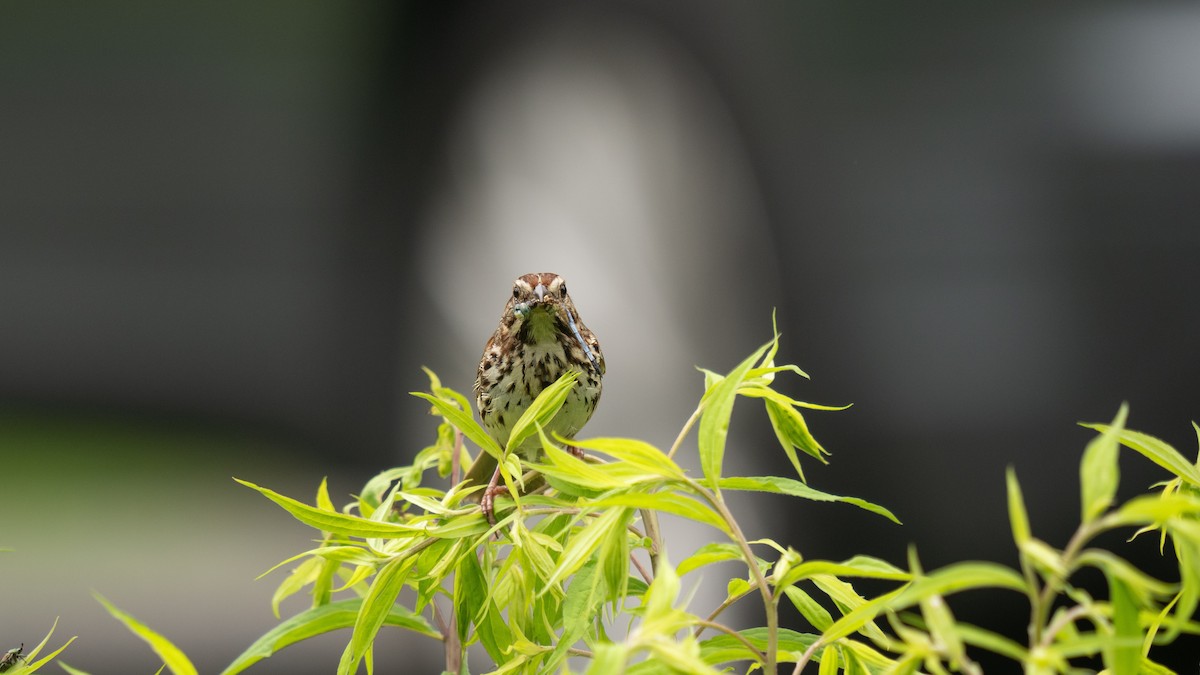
x: 574, y: 575
x: 19, y: 661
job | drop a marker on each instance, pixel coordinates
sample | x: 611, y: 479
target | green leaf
x: 1123, y: 654
x: 858, y: 566
x: 375, y: 608
x: 33, y: 663
x: 169, y: 653
x: 608, y: 659
x: 998, y: 644
x: 1154, y: 509
x: 319, y: 620
x: 792, y: 432
x: 585, y: 542
x: 724, y: 648
x: 470, y: 592
x: 829, y: 661
x: 70, y: 670
x: 1137, y: 582
x: 669, y: 502
x: 810, y: 609
x: 959, y: 577
x: 789, y: 486
x: 735, y: 588
x: 718, y: 408
x: 637, y: 454
x: 938, y: 619
x: 1018, y: 518
x: 1156, y: 451
x: 708, y: 554
x: 563, y: 467
x: 1044, y: 557
x: 461, y: 419
x: 305, y: 573
x: 1098, y: 472
x: 579, y: 610
x: 542, y: 410
x: 858, y: 613
x: 337, y: 523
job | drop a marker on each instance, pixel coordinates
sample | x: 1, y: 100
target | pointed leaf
x: 169, y: 653
x: 1098, y: 472
x: 1156, y: 451
x: 1123, y: 654
x: 337, y: 523
x: 463, y: 421
x: 788, y: 486
x: 714, y: 421
x: 319, y: 620
x: 669, y: 502
x: 374, y: 610
x: 1018, y: 518
x: 542, y: 410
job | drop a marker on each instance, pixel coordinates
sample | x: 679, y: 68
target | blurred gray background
x: 231, y: 234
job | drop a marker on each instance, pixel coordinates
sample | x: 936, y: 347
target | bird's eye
x: 516, y: 292
x: 562, y: 290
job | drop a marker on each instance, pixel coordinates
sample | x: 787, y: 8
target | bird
x: 540, y: 336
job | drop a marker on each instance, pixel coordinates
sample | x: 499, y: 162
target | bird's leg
x: 578, y: 452
x: 488, y: 499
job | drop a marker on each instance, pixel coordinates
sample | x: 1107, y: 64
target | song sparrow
x: 540, y: 336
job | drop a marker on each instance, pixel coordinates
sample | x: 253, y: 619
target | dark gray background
x: 231, y: 234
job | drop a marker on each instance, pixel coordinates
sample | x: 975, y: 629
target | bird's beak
x: 540, y: 292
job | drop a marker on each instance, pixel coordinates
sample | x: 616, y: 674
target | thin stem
x: 646, y: 576
x: 1060, y: 622
x: 735, y: 533
x: 736, y: 635
x: 687, y: 426
x: 806, y: 656
x: 650, y: 521
x: 1046, y: 598
x: 450, y: 642
x: 717, y: 612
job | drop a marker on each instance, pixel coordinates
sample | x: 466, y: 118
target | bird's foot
x: 487, y: 501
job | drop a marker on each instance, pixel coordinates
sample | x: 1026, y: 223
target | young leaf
x: 542, y: 410
x: 1156, y: 451
x: 714, y: 421
x: 169, y: 653
x: 670, y: 502
x: 32, y: 663
x: 809, y: 608
x: 637, y: 454
x: 318, y: 620
x: 859, y: 566
x: 585, y: 542
x: 792, y: 432
x: 788, y: 486
x: 337, y: 523
x: 462, y: 420
x: 1098, y: 472
x: 374, y: 611
x: 1123, y: 653
x: 829, y: 661
x: 1017, y: 516
x: 708, y: 554
x: 579, y: 610
x: 959, y: 577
